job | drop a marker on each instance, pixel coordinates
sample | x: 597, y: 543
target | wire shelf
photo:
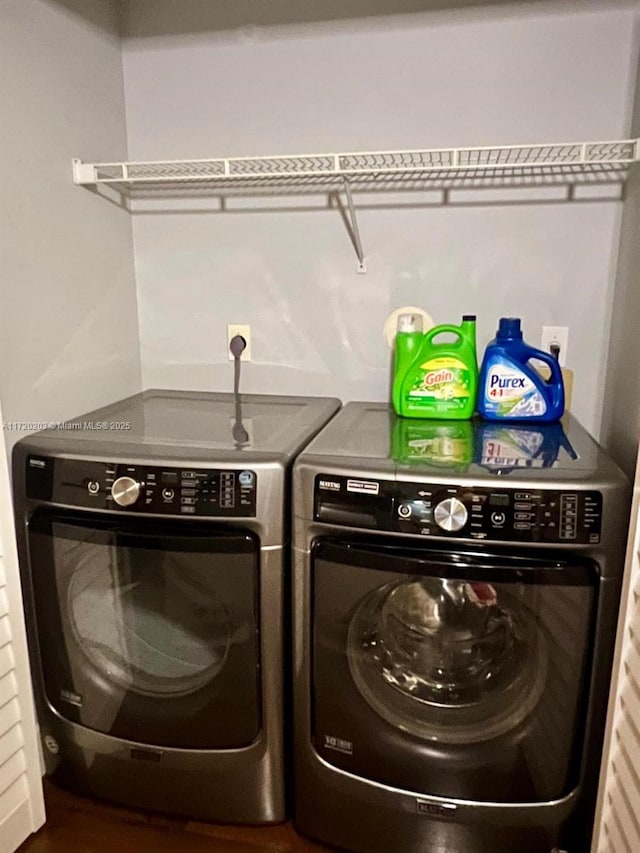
x: 444, y: 168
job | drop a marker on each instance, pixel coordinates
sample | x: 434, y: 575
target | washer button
x: 93, y: 487
x: 404, y: 510
x: 498, y: 518
x: 168, y: 494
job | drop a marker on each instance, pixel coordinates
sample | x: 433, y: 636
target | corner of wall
x: 620, y: 428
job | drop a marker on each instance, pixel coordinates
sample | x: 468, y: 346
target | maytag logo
x: 447, y: 810
x: 37, y: 463
x: 331, y: 485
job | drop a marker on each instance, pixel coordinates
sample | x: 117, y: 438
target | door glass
x: 447, y: 659
x: 149, y: 633
x: 150, y: 621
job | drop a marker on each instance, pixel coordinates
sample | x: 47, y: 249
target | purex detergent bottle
x: 431, y: 379
x: 510, y: 388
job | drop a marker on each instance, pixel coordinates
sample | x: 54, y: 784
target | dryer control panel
x: 159, y: 490
x: 551, y: 516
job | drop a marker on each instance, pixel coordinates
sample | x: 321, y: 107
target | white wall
x: 621, y: 410
x: 68, y: 313
x: 198, y: 87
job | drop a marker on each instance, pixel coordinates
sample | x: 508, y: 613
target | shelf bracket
x: 351, y: 223
x: 83, y: 173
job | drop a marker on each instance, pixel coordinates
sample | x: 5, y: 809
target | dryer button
x: 126, y: 491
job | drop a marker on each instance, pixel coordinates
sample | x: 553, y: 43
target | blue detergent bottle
x: 511, y: 389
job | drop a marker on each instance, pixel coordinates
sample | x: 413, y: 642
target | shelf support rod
x: 352, y: 227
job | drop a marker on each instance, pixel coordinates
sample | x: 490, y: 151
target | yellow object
x: 567, y: 378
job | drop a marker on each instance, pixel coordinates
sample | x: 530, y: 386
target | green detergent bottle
x: 435, y: 380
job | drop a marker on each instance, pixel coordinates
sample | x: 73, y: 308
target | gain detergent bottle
x: 510, y: 388
x: 431, y: 379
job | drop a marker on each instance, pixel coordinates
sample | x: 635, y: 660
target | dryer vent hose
x: 237, y: 345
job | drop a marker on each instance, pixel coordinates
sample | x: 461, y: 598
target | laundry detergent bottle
x: 435, y: 379
x: 510, y: 388
x: 407, y: 345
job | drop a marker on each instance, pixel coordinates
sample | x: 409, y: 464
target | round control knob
x: 451, y: 515
x: 125, y: 491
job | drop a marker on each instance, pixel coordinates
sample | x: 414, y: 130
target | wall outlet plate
x: 234, y: 329
x: 555, y: 335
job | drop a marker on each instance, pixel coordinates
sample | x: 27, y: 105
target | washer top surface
x: 186, y: 424
x: 371, y: 438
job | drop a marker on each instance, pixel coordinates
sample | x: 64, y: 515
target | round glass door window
x: 447, y: 660
x: 158, y: 629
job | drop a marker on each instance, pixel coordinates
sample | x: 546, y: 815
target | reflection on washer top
x: 500, y: 448
x: 372, y: 435
x: 205, y: 422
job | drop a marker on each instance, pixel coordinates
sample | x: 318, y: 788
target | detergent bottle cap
x: 509, y: 327
x: 409, y: 323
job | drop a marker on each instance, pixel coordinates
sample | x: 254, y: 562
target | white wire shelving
x: 446, y: 169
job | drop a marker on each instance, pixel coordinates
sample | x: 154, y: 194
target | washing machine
x: 153, y: 543
x: 455, y: 592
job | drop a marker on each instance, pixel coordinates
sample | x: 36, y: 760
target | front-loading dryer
x: 455, y: 598
x: 153, y: 542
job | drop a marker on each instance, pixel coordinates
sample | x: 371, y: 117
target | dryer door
x: 451, y: 674
x: 149, y: 632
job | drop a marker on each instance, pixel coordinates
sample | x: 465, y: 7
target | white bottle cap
x: 409, y: 323
x: 392, y: 326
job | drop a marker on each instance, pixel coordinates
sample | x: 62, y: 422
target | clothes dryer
x: 153, y: 542
x: 455, y: 601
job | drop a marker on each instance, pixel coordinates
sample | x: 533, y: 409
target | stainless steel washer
x: 455, y: 597
x: 153, y: 540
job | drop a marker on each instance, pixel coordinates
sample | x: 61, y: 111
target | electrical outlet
x: 245, y: 332
x: 555, y: 335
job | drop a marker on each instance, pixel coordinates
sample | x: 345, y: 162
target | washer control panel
x: 467, y: 512
x: 158, y: 490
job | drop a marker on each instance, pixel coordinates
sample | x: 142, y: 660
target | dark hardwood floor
x: 78, y: 825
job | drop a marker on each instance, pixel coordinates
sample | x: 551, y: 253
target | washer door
x: 458, y: 675
x: 445, y: 659
x: 147, y: 632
